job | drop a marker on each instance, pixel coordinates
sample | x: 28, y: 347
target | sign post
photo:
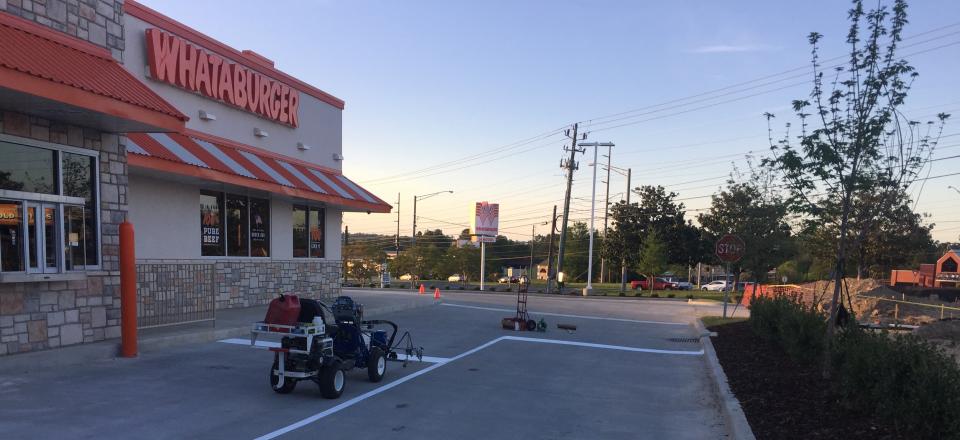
x: 729, y: 249
x: 484, y: 225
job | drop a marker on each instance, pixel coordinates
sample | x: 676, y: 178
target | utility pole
x: 413, y: 235
x: 533, y: 239
x: 623, y: 261
x: 606, y: 209
x: 593, y: 210
x: 553, y: 233
x: 570, y: 165
x: 397, y: 240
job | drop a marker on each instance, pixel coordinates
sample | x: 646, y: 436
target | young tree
x: 653, y: 257
x: 623, y: 239
x: 856, y: 140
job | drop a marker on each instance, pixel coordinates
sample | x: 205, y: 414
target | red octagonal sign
x: 730, y: 248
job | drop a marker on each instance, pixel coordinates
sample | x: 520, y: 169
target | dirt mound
x: 947, y: 329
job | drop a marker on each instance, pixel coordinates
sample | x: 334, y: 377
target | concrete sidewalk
x: 231, y: 323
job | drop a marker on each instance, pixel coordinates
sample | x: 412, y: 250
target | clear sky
x: 438, y: 93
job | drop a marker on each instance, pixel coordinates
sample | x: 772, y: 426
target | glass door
x: 43, y: 238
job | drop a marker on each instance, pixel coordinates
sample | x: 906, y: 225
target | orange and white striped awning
x: 223, y: 161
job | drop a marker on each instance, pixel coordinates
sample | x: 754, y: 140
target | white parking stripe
x: 397, y: 382
x: 567, y: 316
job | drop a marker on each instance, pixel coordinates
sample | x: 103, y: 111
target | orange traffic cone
x: 422, y: 290
x: 436, y: 293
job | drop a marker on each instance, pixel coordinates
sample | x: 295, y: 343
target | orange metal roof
x: 43, y: 53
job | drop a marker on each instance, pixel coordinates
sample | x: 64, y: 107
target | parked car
x: 456, y: 278
x: 658, y: 284
x: 684, y: 285
x: 715, y: 286
x: 406, y: 277
x: 505, y: 280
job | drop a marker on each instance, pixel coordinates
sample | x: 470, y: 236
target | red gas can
x: 283, y: 310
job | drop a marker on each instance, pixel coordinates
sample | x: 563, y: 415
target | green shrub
x: 900, y: 378
x: 671, y: 295
x: 654, y: 295
x: 785, y: 320
x: 689, y: 296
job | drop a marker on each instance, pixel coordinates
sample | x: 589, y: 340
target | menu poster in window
x: 259, y: 224
x: 316, y: 232
x: 211, y: 224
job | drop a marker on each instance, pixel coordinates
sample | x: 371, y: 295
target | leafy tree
x: 853, y: 137
x: 623, y: 238
x: 758, y: 217
x: 653, y: 257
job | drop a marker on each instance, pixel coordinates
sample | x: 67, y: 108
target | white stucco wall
x: 320, y: 123
x: 165, y: 216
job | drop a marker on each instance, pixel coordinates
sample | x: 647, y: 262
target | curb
x: 49, y: 360
x: 729, y: 405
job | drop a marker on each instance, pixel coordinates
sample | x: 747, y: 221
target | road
x: 632, y: 369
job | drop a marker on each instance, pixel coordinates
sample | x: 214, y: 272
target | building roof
x: 210, y: 158
x: 40, y: 61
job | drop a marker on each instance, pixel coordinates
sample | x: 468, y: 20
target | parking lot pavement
x: 609, y: 379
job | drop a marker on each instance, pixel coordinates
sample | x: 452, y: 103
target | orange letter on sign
x: 294, y: 105
x: 253, y: 91
x: 203, y: 74
x: 274, y: 101
x: 226, y: 82
x: 187, y: 67
x: 239, y: 86
x: 264, y: 107
x: 162, y: 53
x: 284, y: 103
x: 215, y: 66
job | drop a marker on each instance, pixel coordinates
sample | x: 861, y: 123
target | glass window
x: 74, y: 236
x: 78, y: 181
x: 301, y: 241
x: 27, y: 169
x: 11, y: 244
x: 238, y: 218
x: 211, y: 224
x: 316, y: 232
x: 259, y: 228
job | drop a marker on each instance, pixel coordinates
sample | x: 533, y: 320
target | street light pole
x: 606, y: 208
x: 593, y: 203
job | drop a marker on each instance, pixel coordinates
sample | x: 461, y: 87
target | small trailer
x: 322, y: 352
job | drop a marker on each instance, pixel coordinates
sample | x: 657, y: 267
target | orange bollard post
x: 422, y: 290
x: 436, y: 293
x: 128, y: 292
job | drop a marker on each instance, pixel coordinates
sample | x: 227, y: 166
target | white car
x: 456, y: 278
x: 715, y: 286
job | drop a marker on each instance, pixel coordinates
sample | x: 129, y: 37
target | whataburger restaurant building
x: 228, y: 168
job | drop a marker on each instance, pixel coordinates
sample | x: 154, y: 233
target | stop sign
x: 730, y: 248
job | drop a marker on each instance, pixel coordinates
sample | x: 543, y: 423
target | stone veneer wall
x: 41, y: 315
x: 251, y: 282
x: 97, y: 21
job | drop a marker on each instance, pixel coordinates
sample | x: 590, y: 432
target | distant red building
x: 943, y: 273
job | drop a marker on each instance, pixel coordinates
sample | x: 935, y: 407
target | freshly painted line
x: 400, y: 356
x: 604, y: 346
x: 397, y: 382
x: 567, y: 316
x: 369, y: 394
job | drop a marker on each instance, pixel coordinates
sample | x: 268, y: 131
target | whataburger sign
x: 175, y: 61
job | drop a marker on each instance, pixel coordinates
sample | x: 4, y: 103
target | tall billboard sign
x: 485, y: 222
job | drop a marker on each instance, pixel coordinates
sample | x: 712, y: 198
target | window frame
x: 307, y: 208
x: 60, y: 201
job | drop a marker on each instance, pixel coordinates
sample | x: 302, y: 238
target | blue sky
x: 430, y: 84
